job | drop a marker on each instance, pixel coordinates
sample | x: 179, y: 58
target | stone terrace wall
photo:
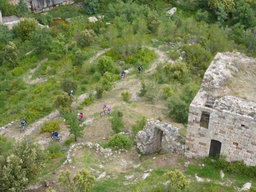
x: 147, y: 139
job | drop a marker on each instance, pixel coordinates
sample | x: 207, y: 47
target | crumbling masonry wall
x: 157, y: 135
x: 224, y: 118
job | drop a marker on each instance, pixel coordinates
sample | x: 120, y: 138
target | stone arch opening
x: 157, y: 145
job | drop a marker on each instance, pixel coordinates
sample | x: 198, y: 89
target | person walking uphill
x: 140, y: 69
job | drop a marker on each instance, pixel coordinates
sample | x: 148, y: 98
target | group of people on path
x: 123, y: 73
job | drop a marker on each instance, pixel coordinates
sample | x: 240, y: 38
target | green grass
x: 110, y: 185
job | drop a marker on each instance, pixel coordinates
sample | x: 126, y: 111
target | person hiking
x: 106, y: 109
x: 70, y: 93
x: 123, y: 74
x: 140, y: 69
x: 80, y: 116
x: 55, y: 135
x: 23, y: 124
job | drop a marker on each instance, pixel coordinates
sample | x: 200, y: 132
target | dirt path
x: 94, y: 124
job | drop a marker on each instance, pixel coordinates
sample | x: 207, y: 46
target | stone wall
x: 222, y: 124
x: 157, y: 136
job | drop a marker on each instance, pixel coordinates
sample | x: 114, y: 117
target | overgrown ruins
x: 222, y: 116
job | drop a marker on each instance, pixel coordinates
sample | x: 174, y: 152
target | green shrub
x: 105, y: 64
x: 69, y: 141
x: 178, y: 109
x: 54, y: 151
x: 120, y: 142
x: 139, y: 125
x: 174, y: 55
x: 51, y: 126
x: 89, y: 100
x: 168, y: 92
x: 106, y: 81
x: 126, y: 96
x: 17, y: 71
x: 177, y: 71
x: 68, y: 85
x: 143, y: 90
x: 5, y: 145
x: 99, y: 92
x: 117, y: 122
x: 96, y: 76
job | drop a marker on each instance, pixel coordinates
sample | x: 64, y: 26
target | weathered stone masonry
x: 157, y: 136
x: 220, y: 123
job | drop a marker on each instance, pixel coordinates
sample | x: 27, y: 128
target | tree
x: 7, y: 8
x: 177, y: 71
x: 197, y: 58
x: 63, y: 102
x: 85, y: 38
x: 13, y: 176
x: 79, y: 58
x: 221, y: 14
x: 6, y: 35
x: 105, y: 64
x: 74, y: 127
x: 57, y: 49
x: 243, y: 14
x: 24, y: 28
x: 23, y: 165
x: 91, y: 6
x: 111, y: 32
x: 68, y: 85
x: 228, y: 4
x: 23, y: 6
x: 83, y: 181
x: 11, y: 53
x: 117, y: 122
x: 41, y: 38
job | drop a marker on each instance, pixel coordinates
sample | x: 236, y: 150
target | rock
x: 172, y: 11
x: 92, y: 19
x: 46, y: 183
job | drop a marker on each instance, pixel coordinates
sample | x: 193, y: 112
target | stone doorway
x: 158, y: 140
x: 215, y: 148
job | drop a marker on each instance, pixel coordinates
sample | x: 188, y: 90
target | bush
x: 174, y: 55
x: 168, y: 92
x: 99, y: 92
x: 17, y: 71
x: 126, y: 96
x: 139, y: 125
x: 68, y: 85
x: 120, y: 142
x: 177, y: 71
x: 106, y: 81
x: 105, y: 64
x: 5, y: 145
x: 51, y: 126
x: 54, y: 151
x: 89, y: 100
x: 117, y: 122
x: 178, y: 109
x: 96, y: 76
x: 69, y: 141
x: 143, y: 90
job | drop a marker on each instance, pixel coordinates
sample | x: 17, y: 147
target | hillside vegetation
x: 40, y: 65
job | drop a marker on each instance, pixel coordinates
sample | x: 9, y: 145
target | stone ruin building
x: 157, y: 136
x: 222, y: 116
x: 38, y: 6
